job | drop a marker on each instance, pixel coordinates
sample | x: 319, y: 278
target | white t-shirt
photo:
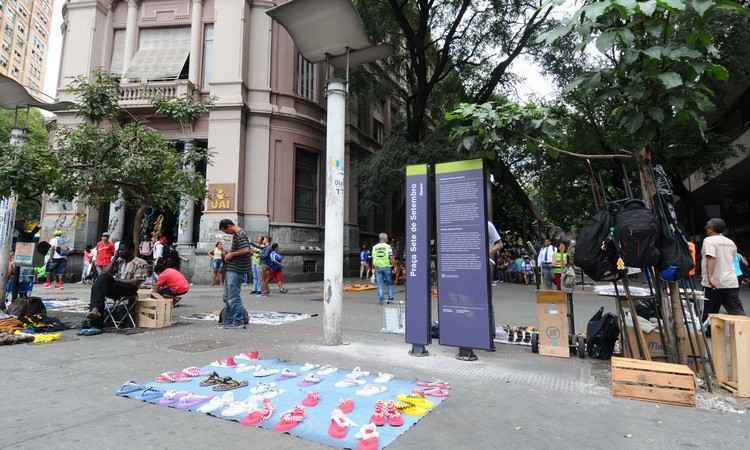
x: 546, y: 255
x: 57, y: 242
x: 158, y: 250
x: 723, y: 250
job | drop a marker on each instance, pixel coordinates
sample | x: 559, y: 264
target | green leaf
x: 678, y: 103
x: 670, y: 80
x: 630, y: 56
x: 605, y: 41
x: 654, y: 52
x: 656, y: 113
x: 684, y: 52
x: 673, y: 4
x: 554, y: 34
x: 628, y: 4
x: 700, y: 39
x: 702, y: 6
x: 648, y: 7
x: 718, y: 72
x: 654, y: 28
x: 732, y: 6
x: 594, y: 10
x: 634, y: 121
x: 626, y: 36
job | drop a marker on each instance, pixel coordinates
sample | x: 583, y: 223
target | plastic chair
x: 126, y: 304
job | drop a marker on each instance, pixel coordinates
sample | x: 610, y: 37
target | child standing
x: 276, y: 269
x: 257, y: 271
x: 364, y: 263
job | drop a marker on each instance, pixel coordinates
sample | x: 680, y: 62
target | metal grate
x: 309, y: 266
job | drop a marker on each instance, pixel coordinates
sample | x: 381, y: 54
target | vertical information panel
x: 417, y: 245
x: 463, y: 278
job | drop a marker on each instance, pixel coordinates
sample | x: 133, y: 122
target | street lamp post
x: 333, y: 33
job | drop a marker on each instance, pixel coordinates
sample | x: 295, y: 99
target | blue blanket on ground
x: 318, y: 418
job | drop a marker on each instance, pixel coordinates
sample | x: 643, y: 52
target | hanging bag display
x: 637, y: 234
x: 590, y: 254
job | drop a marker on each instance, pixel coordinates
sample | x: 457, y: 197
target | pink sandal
x: 311, y: 399
x: 346, y: 405
x: 340, y: 424
x: 192, y: 372
x: 259, y: 415
x: 434, y: 392
x: 368, y: 438
x: 378, y: 416
x: 172, y: 377
x: 290, y: 419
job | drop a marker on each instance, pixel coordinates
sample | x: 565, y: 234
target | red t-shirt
x: 174, y: 280
x: 104, y: 253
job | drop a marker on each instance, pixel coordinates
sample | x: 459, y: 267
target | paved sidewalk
x: 59, y: 395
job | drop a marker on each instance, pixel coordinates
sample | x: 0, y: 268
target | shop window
x: 306, y: 181
x: 208, y: 55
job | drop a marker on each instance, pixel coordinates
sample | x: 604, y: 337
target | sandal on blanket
x: 212, y: 380
x: 130, y: 387
x: 229, y: 384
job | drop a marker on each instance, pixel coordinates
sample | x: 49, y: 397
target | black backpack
x: 637, y: 233
x: 590, y: 254
x: 602, y: 332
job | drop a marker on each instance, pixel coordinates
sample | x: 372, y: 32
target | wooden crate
x: 651, y: 381
x: 552, y: 316
x: 153, y: 313
x: 730, y: 344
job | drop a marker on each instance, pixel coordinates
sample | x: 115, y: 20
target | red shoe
x: 311, y: 399
x: 48, y: 285
x: 290, y: 419
x: 58, y: 285
x: 368, y: 438
x: 393, y: 415
x: 346, y: 406
x: 339, y: 424
x: 378, y: 416
x: 259, y: 415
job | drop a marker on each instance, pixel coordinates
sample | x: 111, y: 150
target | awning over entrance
x: 162, y: 53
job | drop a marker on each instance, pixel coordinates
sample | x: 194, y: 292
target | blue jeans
x: 233, y: 302
x: 256, y: 278
x: 384, y: 275
x: 548, y: 277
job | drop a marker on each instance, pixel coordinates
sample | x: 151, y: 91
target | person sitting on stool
x: 121, y: 279
x: 170, y: 283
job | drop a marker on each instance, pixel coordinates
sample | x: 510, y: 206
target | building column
x: 117, y: 219
x: 187, y: 208
x: 131, y: 34
x: 196, y: 34
x: 106, y: 54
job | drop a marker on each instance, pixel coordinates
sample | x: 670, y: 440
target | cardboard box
x: 552, y: 315
x: 655, y: 346
x: 153, y: 313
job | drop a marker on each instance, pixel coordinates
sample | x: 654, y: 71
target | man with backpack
x: 58, y: 260
x: 717, y: 267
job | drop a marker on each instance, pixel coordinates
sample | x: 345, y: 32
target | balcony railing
x: 135, y: 94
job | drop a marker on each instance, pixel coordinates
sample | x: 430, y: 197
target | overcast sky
x: 534, y: 84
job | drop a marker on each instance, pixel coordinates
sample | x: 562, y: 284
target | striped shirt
x: 242, y: 263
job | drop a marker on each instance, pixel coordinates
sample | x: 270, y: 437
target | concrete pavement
x: 59, y: 395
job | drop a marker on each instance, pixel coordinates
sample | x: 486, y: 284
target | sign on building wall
x: 417, y: 246
x: 464, y: 308
x: 221, y: 197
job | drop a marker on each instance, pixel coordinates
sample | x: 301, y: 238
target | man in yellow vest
x: 382, y: 262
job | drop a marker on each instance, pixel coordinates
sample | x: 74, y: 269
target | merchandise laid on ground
x: 333, y: 406
x: 272, y: 318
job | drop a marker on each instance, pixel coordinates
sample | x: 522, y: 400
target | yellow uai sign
x: 220, y: 197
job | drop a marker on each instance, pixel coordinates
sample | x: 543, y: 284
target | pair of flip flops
x: 90, y: 331
x: 220, y: 383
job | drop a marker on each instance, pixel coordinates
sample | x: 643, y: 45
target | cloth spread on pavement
x: 272, y: 318
x: 318, y: 418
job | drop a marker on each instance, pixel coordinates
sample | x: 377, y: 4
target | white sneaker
x: 260, y: 371
x: 350, y: 382
x: 242, y: 407
x: 370, y: 390
x: 217, y: 403
x: 242, y: 368
x: 308, y: 367
x: 262, y: 388
x: 383, y: 377
x: 357, y: 373
x: 326, y: 370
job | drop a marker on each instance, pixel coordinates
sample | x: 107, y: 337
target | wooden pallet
x: 673, y: 384
x: 730, y: 344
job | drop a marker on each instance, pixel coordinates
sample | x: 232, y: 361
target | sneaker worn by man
x: 48, y: 285
x: 58, y: 285
x: 340, y: 424
x: 368, y: 437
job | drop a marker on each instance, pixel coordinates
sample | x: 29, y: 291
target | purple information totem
x: 463, y: 278
x: 417, y: 246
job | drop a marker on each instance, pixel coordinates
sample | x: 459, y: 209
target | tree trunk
x: 137, y: 228
x: 672, y: 328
